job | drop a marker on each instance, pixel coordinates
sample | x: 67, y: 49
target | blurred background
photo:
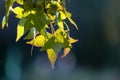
x: 95, y: 57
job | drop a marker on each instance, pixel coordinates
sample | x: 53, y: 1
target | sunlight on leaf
x: 18, y: 11
x: 68, y: 14
x: 62, y: 15
x: 66, y: 52
x: 38, y: 41
x: 72, y: 22
x: 59, y: 37
x: 43, y: 24
x: 3, y: 22
x: 20, y: 32
x: 20, y: 28
x: 51, y: 56
x: 71, y: 40
x: 60, y: 24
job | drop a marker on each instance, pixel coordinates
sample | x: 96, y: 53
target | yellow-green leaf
x: 71, y: 40
x: 66, y: 51
x: 62, y: 15
x: 60, y: 24
x: 20, y: 1
x: 20, y: 28
x: 18, y: 11
x: 59, y: 36
x: 38, y: 41
x: 20, y: 32
x: 30, y: 34
x: 68, y: 14
x: 51, y: 56
x: 3, y: 22
x: 72, y: 22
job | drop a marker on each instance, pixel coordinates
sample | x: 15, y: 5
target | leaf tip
x: 66, y: 52
x: 53, y: 66
x: 17, y: 40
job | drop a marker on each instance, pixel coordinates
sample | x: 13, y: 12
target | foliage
x: 43, y: 22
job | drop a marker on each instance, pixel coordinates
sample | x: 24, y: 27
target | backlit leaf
x: 62, y: 15
x: 51, y: 56
x: 3, y: 22
x: 44, y: 24
x: 66, y: 51
x: 38, y: 41
x: 20, y: 28
x: 59, y: 36
x: 72, y: 22
x: 71, y: 40
x: 68, y: 14
x: 18, y: 11
x: 60, y: 24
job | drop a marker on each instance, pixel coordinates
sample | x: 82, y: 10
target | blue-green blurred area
x: 95, y: 57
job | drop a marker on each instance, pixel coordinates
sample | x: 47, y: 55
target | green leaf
x: 72, y: 22
x: 66, y: 43
x: 30, y: 34
x: 37, y: 19
x: 57, y: 47
x: 49, y: 44
x: 42, y: 18
x: 40, y: 21
x: 37, y: 23
x: 43, y: 32
x: 28, y: 24
x: 20, y: 28
x: 40, y: 1
x: 8, y: 7
x: 49, y: 35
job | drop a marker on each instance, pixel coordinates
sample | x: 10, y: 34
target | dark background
x: 97, y: 51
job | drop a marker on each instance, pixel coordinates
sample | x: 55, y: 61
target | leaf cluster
x: 44, y: 23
